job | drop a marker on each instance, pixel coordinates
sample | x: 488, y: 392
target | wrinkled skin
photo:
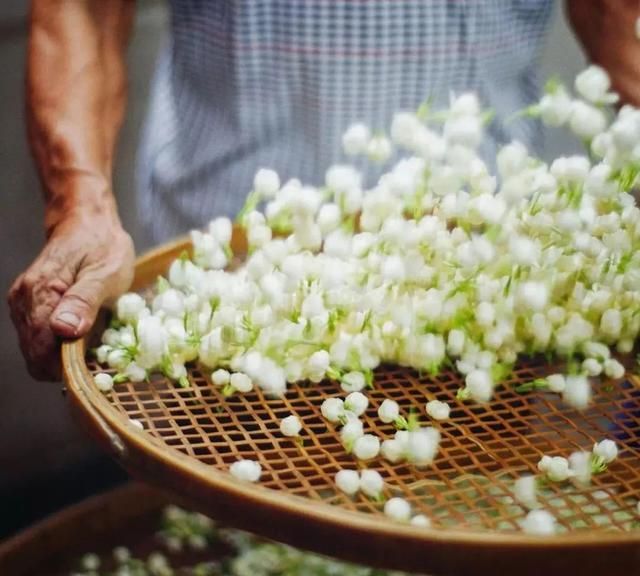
x: 85, y: 263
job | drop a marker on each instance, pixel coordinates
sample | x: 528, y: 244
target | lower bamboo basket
x: 191, y: 436
x: 125, y: 516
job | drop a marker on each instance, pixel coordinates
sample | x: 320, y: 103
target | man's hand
x: 87, y: 260
x: 606, y: 29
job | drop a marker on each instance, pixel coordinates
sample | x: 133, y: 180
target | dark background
x: 46, y: 462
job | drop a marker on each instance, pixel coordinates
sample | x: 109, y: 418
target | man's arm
x: 606, y: 29
x: 76, y: 96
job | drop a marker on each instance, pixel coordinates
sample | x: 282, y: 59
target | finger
x: 78, y: 308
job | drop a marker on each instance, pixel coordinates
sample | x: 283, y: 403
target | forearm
x: 76, y: 97
x: 606, y: 30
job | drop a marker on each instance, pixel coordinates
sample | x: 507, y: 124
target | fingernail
x: 70, y: 319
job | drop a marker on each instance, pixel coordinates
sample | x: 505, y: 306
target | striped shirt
x: 244, y: 84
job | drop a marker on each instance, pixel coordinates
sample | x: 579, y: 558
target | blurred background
x: 46, y: 461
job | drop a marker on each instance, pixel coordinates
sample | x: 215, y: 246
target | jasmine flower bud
x: 351, y: 431
x: 556, y: 468
x: 129, y: 307
x: 135, y: 373
x: 556, y: 383
x: 221, y: 229
x: 379, y: 149
x: 329, y: 217
x: 586, y: 121
x: 371, y: 483
x: 422, y: 446
x: 607, y: 450
x: 356, y: 139
x: 348, y: 481
x: 393, y: 450
x: 398, y: 509
x: 592, y: 367
x: 455, y: 342
x: 291, y: 426
x: 389, y: 411
x: 580, y: 464
x: 438, y: 410
x: 421, y: 520
x: 136, y: 423
x: 366, y: 446
x: 593, y: 85
x: 480, y: 385
x: 353, y: 382
x: 332, y: 409
x: 577, y: 392
x: 103, y: 381
x: 539, y: 523
x: 266, y: 183
x: 357, y: 403
x: 614, y: 369
x: 241, y: 382
x: 246, y: 470
x: 525, y: 491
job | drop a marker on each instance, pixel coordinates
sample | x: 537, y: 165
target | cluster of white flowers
x: 438, y: 264
x: 369, y: 482
x: 579, y: 468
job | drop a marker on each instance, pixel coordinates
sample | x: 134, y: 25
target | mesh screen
x: 484, y: 448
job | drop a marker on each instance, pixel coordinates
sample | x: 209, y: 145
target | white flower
x: 533, y: 296
x: 129, y: 307
x: 371, y: 483
x: 135, y: 373
x: 356, y: 402
x: 221, y: 229
x: 556, y: 383
x: 266, y: 183
x: 525, y: 491
x: 580, y: 464
x: 455, y: 342
x: 422, y: 446
x: 556, y: 468
x: 607, y: 450
x: 421, y: 520
x: 586, y: 121
x: 577, y: 392
x: 614, y: 369
x: 398, y: 509
x: 389, y: 411
x: 379, y: 149
x: 103, y: 381
x: 592, y: 367
x: 438, y: 410
x: 555, y: 108
x: 611, y: 323
x: 356, y: 139
x: 136, y: 423
x: 353, y: 381
x: 366, y: 447
x: 350, y: 433
x: 220, y: 377
x: 539, y: 523
x: 290, y: 426
x: 241, y: 382
x: 348, y: 481
x: 246, y: 470
x: 593, y: 85
x: 332, y: 409
x: 328, y: 218
x: 480, y: 385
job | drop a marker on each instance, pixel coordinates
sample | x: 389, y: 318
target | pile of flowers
x: 440, y: 264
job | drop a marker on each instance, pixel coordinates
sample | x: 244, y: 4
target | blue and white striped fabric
x: 250, y: 83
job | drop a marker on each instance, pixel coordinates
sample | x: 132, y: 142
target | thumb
x: 78, y: 308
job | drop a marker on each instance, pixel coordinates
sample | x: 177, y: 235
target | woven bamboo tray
x: 191, y: 436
